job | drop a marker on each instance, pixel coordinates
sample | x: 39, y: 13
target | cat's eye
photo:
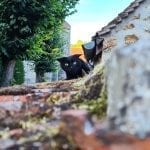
x: 74, y: 63
x: 66, y: 64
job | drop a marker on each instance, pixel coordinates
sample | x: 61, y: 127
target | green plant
x: 24, y: 25
x: 19, y: 73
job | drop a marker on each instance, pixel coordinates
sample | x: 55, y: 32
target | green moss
x: 96, y: 107
x: 93, y: 95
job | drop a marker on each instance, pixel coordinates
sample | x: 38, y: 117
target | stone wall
x: 29, y: 76
x: 34, y: 112
x: 131, y: 29
x: 128, y: 83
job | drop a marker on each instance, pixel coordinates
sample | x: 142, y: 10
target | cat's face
x: 71, y: 63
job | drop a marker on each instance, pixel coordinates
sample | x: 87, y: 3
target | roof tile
x: 104, y: 32
x: 126, y: 13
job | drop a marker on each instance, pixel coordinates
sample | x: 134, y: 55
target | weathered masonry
x: 128, y: 27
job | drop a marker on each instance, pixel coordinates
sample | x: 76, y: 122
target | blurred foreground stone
x: 30, y: 114
x: 14, y: 97
x: 98, y: 136
x: 129, y: 89
x: 127, y: 126
x: 36, y: 123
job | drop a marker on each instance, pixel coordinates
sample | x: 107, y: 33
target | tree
x: 47, y: 60
x: 22, y: 23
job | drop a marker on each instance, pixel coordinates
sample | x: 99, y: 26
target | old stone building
x: 128, y: 27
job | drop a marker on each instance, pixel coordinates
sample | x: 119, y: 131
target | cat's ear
x: 77, y: 55
x: 62, y: 59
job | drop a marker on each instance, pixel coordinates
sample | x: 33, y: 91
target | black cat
x: 73, y: 66
x: 93, y: 50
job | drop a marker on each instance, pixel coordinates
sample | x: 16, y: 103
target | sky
x: 92, y: 15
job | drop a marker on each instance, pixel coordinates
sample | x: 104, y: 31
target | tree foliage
x: 25, y: 21
x: 46, y: 61
x: 52, y: 50
x: 25, y: 24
